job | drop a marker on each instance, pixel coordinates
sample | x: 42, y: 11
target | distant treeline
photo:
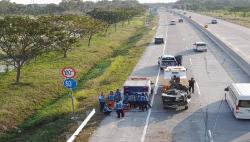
x: 65, y: 7
x: 199, y: 5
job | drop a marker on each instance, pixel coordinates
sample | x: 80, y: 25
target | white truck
x: 175, y: 88
x: 167, y: 60
x: 138, y: 85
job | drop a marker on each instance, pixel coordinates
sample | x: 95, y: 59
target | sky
x: 57, y: 1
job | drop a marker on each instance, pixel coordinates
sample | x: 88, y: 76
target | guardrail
x: 244, y: 65
x: 79, y: 129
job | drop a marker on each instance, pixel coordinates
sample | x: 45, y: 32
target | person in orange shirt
x: 111, y: 99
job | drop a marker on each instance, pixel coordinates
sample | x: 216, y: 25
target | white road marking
x: 165, y: 43
x: 149, y: 112
x: 198, y: 88
x: 155, y: 92
x: 210, y: 136
x: 190, y: 61
x: 79, y: 129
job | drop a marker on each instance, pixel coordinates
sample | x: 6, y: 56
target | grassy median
x: 39, y: 109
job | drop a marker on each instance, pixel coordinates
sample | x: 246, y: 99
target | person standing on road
x: 191, y: 85
x: 131, y: 100
x: 147, y: 100
x: 111, y: 99
x: 118, y: 95
x: 143, y: 102
x: 102, y: 101
x: 119, y: 109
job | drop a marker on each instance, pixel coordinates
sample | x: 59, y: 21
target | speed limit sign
x: 68, y: 72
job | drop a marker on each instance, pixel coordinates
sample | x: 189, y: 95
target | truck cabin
x: 175, y: 74
x: 178, y: 72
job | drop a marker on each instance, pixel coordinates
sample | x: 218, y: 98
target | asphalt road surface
x: 236, y: 37
x: 212, y: 70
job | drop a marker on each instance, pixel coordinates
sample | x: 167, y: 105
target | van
x: 200, y: 46
x: 238, y: 98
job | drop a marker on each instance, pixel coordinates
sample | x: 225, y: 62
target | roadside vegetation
x: 52, y: 122
x: 34, y: 105
x: 235, y: 11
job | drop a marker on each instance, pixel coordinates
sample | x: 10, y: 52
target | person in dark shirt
x: 191, y: 85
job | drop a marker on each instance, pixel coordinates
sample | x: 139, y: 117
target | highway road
x: 212, y: 70
x: 234, y: 36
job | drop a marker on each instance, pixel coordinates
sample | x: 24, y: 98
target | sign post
x: 70, y: 83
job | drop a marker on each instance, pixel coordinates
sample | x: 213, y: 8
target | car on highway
x: 172, y: 22
x: 238, y: 99
x: 167, y: 60
x: 200, y: 46
x: 180, y: 20
x: 214, y: 21
x: 159, y: 40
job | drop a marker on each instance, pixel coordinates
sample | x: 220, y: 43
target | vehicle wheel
x: 186, y: 107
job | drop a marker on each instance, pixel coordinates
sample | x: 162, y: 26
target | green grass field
x: 39, y: 109
x: 240, y: 18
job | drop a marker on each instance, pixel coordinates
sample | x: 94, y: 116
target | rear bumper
x: 241, y: 116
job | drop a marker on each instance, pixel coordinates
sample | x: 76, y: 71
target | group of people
x: 116, y: 102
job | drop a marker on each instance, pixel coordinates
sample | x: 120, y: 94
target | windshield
x: 169, y: 63
x: 244, y: 103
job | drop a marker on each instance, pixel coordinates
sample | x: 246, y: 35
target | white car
x: 200, y: 47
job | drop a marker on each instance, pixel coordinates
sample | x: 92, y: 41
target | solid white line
x: 155, y: 92
x: 190, y: 61
x: 165, y: 43
x: 149, y: 112
x: 198, y: 88
x: 79, y: 129
x: 210, y: 136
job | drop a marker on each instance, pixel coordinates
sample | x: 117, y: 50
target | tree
x: 69, y: 32
x: 91, y: 27
x: 23, y: 39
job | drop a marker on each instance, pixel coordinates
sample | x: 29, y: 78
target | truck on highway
x: 138, y: 85
x: 167, y: 60
x: 175, y: 92
x: 238, y: 99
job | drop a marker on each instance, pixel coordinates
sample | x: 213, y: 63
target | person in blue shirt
x: 102, y: 101
x: 119, y: 109
x: 125, y: 101
x: 107, y: 110
x: 118, y: 95
x: 142, y: 102
x: 147, y: 102
x: 126, y: 97
x: 131, y: 100
x: 137, y: 100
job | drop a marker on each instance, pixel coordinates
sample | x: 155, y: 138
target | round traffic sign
x: 70, y: 83
x: 68, y: 72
